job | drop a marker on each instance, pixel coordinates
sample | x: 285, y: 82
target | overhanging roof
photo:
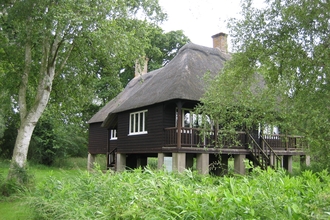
x: 181, y: 78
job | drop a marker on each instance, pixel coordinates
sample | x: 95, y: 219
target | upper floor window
x: 192, y: 120
x: 113, y: 134
x: 137, y: 122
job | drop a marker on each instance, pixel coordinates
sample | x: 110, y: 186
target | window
x: 137, y: 122
x: 113, y: 134
x: 192, y: 120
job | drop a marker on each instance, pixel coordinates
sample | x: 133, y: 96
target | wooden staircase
x: 264, y: 155
x: 111, y: 160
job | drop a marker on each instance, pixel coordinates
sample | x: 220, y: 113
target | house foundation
x: 178, y: 162
x: 90, y: 161
x: 239, y: 165
x: 121, y: 162
x: 160, y: 164
x: 287, y: 163
x: 305, y: 160
x: 202, y: 163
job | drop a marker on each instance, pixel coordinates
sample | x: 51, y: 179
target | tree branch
x: 65, y: 59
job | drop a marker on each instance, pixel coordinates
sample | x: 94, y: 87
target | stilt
x: 121, y: 162
x: 90, y: 161
x: 239, y: 165
x: 160, y: 164
x: 179, y: 162
x: 287, y: 163
x: 203, y: 163
x: 305, y: 160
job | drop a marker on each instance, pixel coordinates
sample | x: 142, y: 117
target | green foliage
x: 55, y: 139
x: 147, y: 194
x: 63, y: 46
x: 11, y: 186
x: 278, y: 74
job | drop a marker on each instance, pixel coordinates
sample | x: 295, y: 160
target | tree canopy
x: 279, y: 72
x: 47, y: 45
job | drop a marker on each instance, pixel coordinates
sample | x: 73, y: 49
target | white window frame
x: 136, y: 129
x: 113, y: 134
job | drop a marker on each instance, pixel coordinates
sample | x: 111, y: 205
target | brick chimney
x: 141, y: 70
x: 220, y: 41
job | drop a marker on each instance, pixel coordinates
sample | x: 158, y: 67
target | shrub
x: 152, y: 194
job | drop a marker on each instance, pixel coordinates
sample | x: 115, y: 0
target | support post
x: 90, y: 161
x: 287, y: 163
x: 239, y: 165
x: 203, y: 162
x: 160, y: 164
x: 179, y: 123
x: 305, y: 160
x: 179, y: 162
x: 121, y: 162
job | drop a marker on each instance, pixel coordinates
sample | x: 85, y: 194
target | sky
x: 200, y: 19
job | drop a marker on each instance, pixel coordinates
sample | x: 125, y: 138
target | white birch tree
x: 48, y: 39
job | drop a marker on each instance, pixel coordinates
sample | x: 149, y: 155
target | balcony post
x: 179, y: 123
x: 216, y: 130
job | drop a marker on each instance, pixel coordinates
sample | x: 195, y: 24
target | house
x: 152, y: 117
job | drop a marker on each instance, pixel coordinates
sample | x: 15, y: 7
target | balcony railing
x: 196, y: 137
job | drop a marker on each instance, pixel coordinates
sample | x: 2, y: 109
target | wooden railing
x: 193, y: 137
x: 190, y: 137
x: 263, y: 154
x: 285, y: 141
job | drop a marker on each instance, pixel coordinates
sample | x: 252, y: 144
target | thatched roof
x: 181, y: 78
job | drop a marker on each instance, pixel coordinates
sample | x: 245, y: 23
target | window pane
x: 187, y: 119
x: 136, y: 122
x: 145, y: 121
x: 132, y: 123
x: 141, y: 121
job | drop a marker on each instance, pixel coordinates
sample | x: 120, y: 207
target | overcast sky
x: 199, y: 19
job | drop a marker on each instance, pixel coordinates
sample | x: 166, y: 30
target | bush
x: 161, y: 195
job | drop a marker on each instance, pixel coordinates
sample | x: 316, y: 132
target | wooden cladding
x: 98, y: 143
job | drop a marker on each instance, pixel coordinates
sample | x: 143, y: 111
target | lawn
x: 67, y: 191
x: 15, y: 207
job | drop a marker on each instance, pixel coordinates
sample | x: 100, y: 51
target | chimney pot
x: 220, y: 41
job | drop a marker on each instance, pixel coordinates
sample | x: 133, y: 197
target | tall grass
x: 147, y: 194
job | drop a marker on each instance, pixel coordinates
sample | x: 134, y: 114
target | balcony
x: 194, y: 137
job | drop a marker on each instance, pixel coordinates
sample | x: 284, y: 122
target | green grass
x: 67, y: 191
x: 15, y: 207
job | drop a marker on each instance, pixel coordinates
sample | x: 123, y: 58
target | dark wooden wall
x: 144, y: 143
x: 98, y: 136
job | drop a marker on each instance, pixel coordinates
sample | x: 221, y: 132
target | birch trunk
x: 30, y: 116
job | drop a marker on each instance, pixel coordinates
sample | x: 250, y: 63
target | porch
x: 193, y: 137
x: 265, y: 151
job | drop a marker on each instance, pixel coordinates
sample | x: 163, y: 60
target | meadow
x: 70, y: 192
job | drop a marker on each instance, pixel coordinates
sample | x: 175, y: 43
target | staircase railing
x: 274, y: 159
x: 259, y: 155
x: 264, y: 156
x: 112, y: 159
